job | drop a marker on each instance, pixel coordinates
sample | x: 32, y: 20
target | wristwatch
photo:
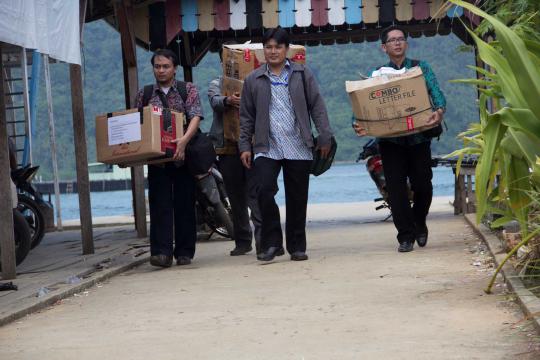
x: 225, y: 101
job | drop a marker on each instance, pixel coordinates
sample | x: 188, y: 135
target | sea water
x: 342, y: 183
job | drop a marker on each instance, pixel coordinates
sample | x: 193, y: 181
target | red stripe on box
x: 168, y: 135
x: 410, y: 123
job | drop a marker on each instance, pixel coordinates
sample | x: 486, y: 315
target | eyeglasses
x: 396, y: 40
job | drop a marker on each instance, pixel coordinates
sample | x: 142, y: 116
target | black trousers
x: 296, y: 180
x: 171, y: 192
x: 412, y: 162
x: 239, y: 183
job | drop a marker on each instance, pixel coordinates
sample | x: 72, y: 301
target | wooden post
x: 188, y: 73
x: 458, y: 193
x: 187, y: 63
x: 463, y: 194
x: 52, y: 136
x: 201, y: 50
x: 7, y: 242
x: 470, y: 203
x: 28, y: 159
x: 79, y: 138
x: 124, y: 15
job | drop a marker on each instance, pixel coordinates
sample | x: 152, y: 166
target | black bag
x: 200, y: 152
x: 319, y: 165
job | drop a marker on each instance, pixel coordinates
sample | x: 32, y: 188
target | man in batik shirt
x: 171, y: 188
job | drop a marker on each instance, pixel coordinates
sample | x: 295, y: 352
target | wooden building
x: 193, y: 27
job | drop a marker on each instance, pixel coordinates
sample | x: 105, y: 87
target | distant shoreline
x: 316, y: 212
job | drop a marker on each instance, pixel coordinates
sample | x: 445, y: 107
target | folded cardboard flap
x: 356, y: 85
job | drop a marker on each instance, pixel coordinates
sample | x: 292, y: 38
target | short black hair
x: 279, y: 34
x: 169, y: 54
x: 384, y: 33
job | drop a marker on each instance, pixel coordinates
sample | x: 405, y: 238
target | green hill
x: 333, y: 65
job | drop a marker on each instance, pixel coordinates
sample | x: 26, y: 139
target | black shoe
x: 271, y: 253
x: 299, y: 256
x: 421, y: 239
x: 161, y: 260
x: 183, y: 260
x: 406, y: 246
x: 240, y: 250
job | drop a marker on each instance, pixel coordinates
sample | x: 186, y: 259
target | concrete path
x: 356, y: 298
x: 58, y: 266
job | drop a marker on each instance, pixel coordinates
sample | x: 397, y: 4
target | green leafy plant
x: 507, y: 142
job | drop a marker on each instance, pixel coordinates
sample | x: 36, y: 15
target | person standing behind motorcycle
x: 238, y: 180
x: 409, y: 157
x: 275, y: 115
x: 171, y: 188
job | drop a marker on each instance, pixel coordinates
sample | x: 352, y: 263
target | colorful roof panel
x: 225, y: 15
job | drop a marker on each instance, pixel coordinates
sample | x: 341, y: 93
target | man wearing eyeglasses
x: 409, y: 157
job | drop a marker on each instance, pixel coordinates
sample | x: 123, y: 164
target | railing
x: 464, y: 196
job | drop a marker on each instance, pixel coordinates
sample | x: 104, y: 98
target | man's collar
x: 287, y: 67
x: 405, y: 64
x: 173, y: 86
x: 263, y: 70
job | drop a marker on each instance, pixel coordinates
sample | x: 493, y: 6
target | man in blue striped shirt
x: 408, y: 158
x: 275, y: 121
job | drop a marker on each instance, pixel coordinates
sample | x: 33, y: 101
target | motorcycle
x: 374, y: 165
x: 21, y: 230
x: 36, y: 210
x: 370, y: 153
x: 212, y: 203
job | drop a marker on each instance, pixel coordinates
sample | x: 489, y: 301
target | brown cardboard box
x: 391, y: 105
x: 231, y: 115
x: 122, y: 139
x: 240, y: 60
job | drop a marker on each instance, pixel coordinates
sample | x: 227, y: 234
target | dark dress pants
x: 171, y: 192
x: 296, y: 181
x: 412, y: 162
x: 239, y: 183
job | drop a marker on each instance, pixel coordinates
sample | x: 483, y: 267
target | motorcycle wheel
x: 225, y: 227
x: 23, y: 239
x: 31, y: 212
x: 21, y: 231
